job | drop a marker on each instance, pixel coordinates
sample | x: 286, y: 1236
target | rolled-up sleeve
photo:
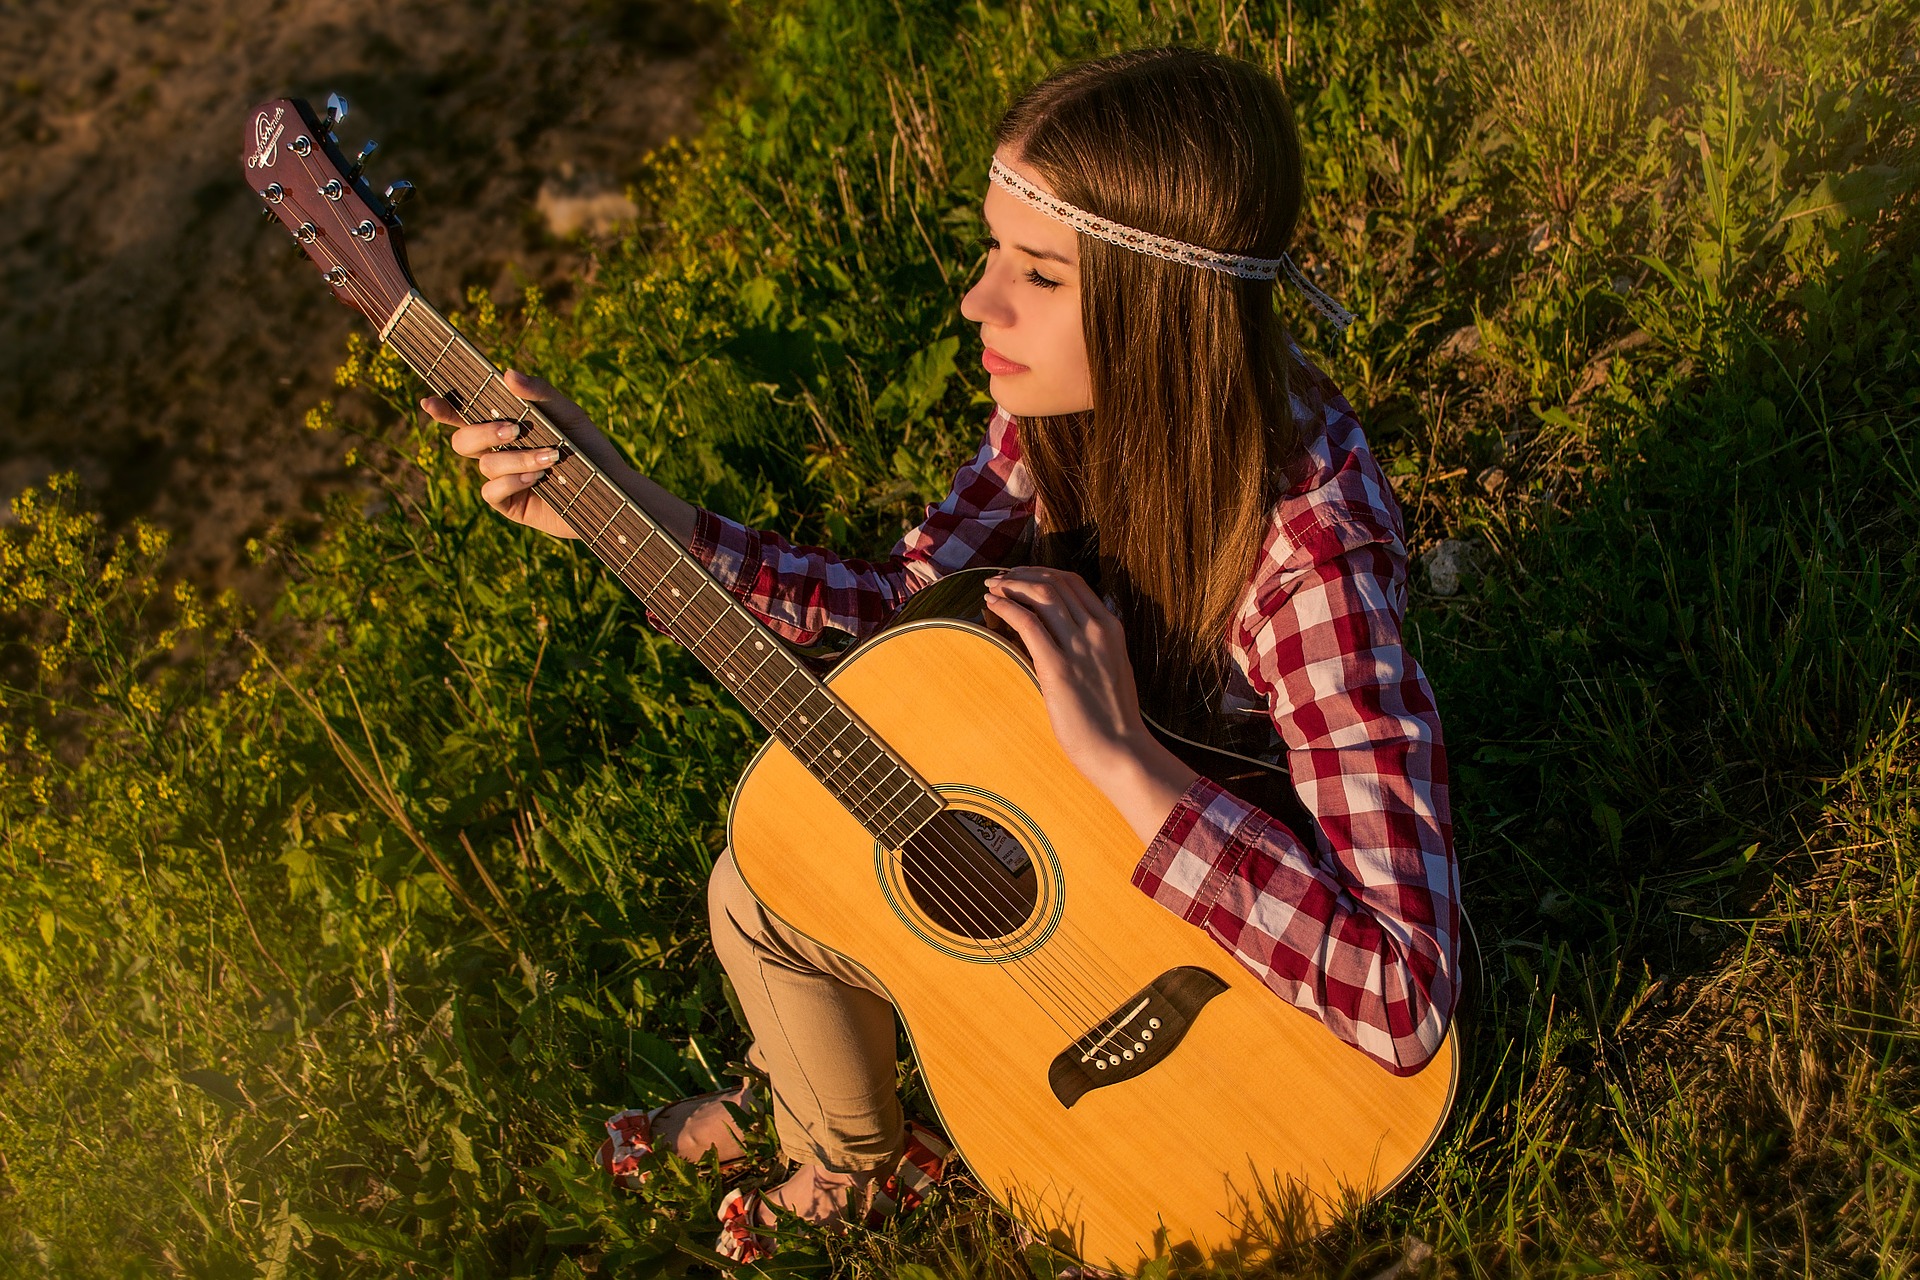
x: 800, y: 591
x: 1362, y: 930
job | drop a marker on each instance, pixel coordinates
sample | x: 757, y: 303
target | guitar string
x: 943, y: 847
x: 955, y: 857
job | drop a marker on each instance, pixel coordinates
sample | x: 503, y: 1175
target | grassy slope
x: 331, y: 963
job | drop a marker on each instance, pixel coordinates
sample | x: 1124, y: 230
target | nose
x: 986, y: 302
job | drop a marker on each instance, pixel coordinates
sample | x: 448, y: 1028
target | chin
x: 1028, y: 402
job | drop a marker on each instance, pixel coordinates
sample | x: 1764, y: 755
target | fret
x: 573, y: 497
x: 831, y: 749
x: 695, y: 644
x: 426, y: 374
x: 907, y: 784
x: 728, y: 659
x: 621, y: 572
x: 832, y: 743
x: 686, y: 603
x: 603, y: 528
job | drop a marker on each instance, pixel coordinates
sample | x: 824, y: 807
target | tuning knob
x: 336, y: 112
x: 360, y: 161
x: 398, y: 193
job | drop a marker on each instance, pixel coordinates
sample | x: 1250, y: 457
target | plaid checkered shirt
x: 1361, y: 929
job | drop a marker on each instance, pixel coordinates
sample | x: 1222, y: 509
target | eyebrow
x: 1047, y: 254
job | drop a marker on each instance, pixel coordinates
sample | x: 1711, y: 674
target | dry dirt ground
x: 158, y: 337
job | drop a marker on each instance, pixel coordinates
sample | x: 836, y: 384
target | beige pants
x: 822, y: 1032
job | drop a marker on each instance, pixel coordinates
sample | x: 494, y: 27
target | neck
x: 861, y: 772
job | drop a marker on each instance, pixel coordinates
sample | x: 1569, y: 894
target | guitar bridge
x: 1135, y: 1037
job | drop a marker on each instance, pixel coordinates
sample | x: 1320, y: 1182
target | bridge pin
x: 1100, y: 1064
x: 1139, y: 1048
x: 1154, y: 1023
x: 1146, y: 1035
x: 1127, y: 1054
x: 1114, y: 1060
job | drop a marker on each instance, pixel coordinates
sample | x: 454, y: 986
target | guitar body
x: 1253, y: 1129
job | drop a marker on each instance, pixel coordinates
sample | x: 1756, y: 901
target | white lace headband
x: 1193, y: 255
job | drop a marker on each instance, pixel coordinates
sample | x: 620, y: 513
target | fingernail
x: 506, y: 430
x: 531, y: 477
x: 547, y: 455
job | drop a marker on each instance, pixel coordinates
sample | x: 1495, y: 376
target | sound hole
x: 970, y: 875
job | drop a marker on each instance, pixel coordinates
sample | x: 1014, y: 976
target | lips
x: 999, y: 365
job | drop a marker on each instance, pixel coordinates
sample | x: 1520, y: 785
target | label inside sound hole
x: 997, y: 840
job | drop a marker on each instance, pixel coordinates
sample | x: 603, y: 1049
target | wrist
x: 1144, y: 781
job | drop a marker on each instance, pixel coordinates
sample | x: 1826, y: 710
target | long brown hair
x: 1176, y: 469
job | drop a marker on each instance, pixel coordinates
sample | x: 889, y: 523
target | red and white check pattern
x: 1362, y: 930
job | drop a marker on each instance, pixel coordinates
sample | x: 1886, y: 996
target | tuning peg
x: 360, y: 161
x: 336, y: 112
x: 398, y: 193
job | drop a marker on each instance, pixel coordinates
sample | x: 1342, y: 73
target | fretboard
x: 879, y: 789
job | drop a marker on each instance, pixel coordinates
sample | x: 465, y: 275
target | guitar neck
x: 870, y: 781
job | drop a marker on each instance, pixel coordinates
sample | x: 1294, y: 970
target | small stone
x: 1492, y: 481
x: 1463, y: 341
x: 1447, y: 563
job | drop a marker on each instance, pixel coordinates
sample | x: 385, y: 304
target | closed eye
x: 1033, y: 276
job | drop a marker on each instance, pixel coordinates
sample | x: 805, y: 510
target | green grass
x: 331, y: 935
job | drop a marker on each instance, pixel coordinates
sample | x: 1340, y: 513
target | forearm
x: 673, y: 513
x: 1144, y: 781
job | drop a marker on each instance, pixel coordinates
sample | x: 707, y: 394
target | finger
x: 496, y: 493
x: 474, y: 442
x: 1057, y: 584
x: 513, y: 462
x: 541, y: 392
x: 1048, y: 661
x: 441, y: 410
x: 530, y: 388
x: 1048, y: 601
x: 1082, y: 591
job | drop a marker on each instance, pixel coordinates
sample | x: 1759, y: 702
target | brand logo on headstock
x: 266, y: 138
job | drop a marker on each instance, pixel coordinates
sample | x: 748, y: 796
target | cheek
x: 1066, y: 343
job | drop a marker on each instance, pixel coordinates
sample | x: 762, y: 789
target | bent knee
x: 730, y: 907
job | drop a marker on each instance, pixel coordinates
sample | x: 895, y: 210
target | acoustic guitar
x: 1111, y: 1077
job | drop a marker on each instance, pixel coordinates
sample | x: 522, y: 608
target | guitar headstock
x: 294, y: 164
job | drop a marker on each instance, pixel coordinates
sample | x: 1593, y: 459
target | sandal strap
x: 739, y: 1240
x: 630, y: 1133
x: 923, y: 1164
x: 630, y: 1138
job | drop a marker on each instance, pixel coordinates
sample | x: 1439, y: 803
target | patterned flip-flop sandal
x: 923, y: 1164
x: 630, y: 1139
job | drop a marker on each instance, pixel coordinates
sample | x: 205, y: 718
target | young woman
x: 1155, y: 426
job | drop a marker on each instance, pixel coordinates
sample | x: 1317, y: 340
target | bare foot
x: 692, y: 1127
x: 815, y: 1193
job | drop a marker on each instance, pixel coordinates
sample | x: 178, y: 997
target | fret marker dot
x: 836, y: 754
x: 758, y: 645
x: 623, y: 539
x: 676, y: 591
x: 561, y: 479
x: 804, y: 720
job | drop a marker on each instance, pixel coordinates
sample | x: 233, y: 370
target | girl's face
x: 1027, y: 304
